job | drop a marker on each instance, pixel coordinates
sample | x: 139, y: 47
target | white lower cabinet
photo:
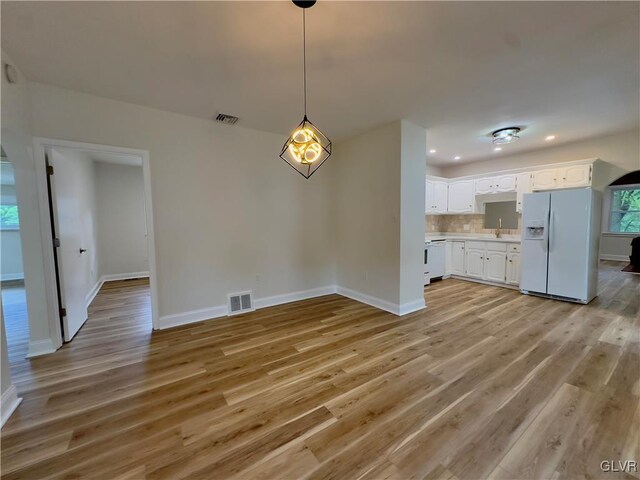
x: 475, y: 263
x: 513, y: 264
x: 495, y: 266
x: 457, y: 258
x: 497, y: 262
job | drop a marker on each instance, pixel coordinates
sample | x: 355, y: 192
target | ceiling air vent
x: 239, y: 303
x: 227, y: 119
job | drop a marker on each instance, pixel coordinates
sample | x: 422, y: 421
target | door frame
x: 41, y: 145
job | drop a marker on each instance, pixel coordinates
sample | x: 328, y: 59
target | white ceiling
x: 459, y: 69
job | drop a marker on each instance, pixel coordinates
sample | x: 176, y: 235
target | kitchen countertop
x: 476, y: 236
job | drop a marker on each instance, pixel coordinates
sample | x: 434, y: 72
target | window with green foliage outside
x: 625, y: 210
x: 9, y: 217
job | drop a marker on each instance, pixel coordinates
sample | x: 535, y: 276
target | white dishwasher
x: 434, y: 258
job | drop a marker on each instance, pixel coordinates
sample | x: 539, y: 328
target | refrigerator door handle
x: 549, y: 228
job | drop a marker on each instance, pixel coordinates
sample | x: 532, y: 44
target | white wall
x: 380, y: 235
x: 229, y: 214
x: 412, y: 194
x: 120, y: 220
x: 17, y: 143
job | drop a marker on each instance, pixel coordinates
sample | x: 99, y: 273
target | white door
x: 496, y: 266
x: 535, y: 242
x: 461, y: 196
x: 457, y: 258
x: 440, y: 190
x: 475, y: 263
x: 429, y: 202
x: 544, y: 180
x: 575, y: 176
x: 484, y: 185
x: 569, y: 227
x: 524, y: 186
x: 513, y: 268
x: 69, y: 231
x: 505, y: 183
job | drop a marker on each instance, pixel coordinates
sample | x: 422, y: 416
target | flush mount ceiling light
x: 307, y: 147
x: 506, y: 135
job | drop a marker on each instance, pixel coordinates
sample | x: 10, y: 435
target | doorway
x: 14, y: 300
x: 101, y: 228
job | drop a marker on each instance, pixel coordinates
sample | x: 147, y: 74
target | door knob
x: 82, y: 250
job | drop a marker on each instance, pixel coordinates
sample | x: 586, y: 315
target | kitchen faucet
x: 498, y: 231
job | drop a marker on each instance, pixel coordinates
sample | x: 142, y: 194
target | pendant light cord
x: 304, y: 58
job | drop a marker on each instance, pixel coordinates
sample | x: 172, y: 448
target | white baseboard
x: 394, y: 308
x: 123, y: 276
x: 293, y: 297
x: 177, y: 319
x: 617, y: 258
x: 192, y: 316
x: 410, y: 307
x: 8, y: 403
x: 93, y: 292
x: 5, y: 277
x: 40, y: 347
x: 111, y: 278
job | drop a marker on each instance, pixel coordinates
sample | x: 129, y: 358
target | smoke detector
x: 506, y: 135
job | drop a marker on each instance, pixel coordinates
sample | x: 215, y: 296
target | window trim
x: 607, y: 210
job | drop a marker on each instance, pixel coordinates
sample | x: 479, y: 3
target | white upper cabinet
x: 484, y: 185
x: 441, y: 194
x: 544, y: 180
x: 575, y: 176
x: 461, y: 196
x: 565, y: 177
x: 429, y: 194
x: 499, y: 184
x: 524, y: 186
x: 505, y: 183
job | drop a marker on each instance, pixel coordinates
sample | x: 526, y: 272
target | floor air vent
x: 239, y: 303
x: 228, y: 119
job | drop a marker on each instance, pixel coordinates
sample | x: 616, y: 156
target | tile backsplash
x: 456, y: 224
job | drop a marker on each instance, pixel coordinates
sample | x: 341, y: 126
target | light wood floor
x: 484, y: 383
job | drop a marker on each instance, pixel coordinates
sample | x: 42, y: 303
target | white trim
x: 93, y: 292
x: 394, y: 308
x: 486, y: 282
x: 40, y: 146
x: 192, y: 316
x: 11, y: 276
x: 293, y: 297
x: 123, y: 276
x: 111, y: 278
x: 8, y: 403
x: 177, y: 319
x: 40, y: 347
x: 410, y: 307
x: 617, y: 258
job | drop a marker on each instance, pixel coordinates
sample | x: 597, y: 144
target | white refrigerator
x: 560, y: 242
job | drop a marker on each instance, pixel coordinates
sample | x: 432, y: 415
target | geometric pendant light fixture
x: 307, y: 147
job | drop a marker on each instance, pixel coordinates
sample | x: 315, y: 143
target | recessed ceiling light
x: 506, y: 135
x: 433, y: 150
x: 497, y: 149
x: 457, y: 157
x: 550, y: 137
